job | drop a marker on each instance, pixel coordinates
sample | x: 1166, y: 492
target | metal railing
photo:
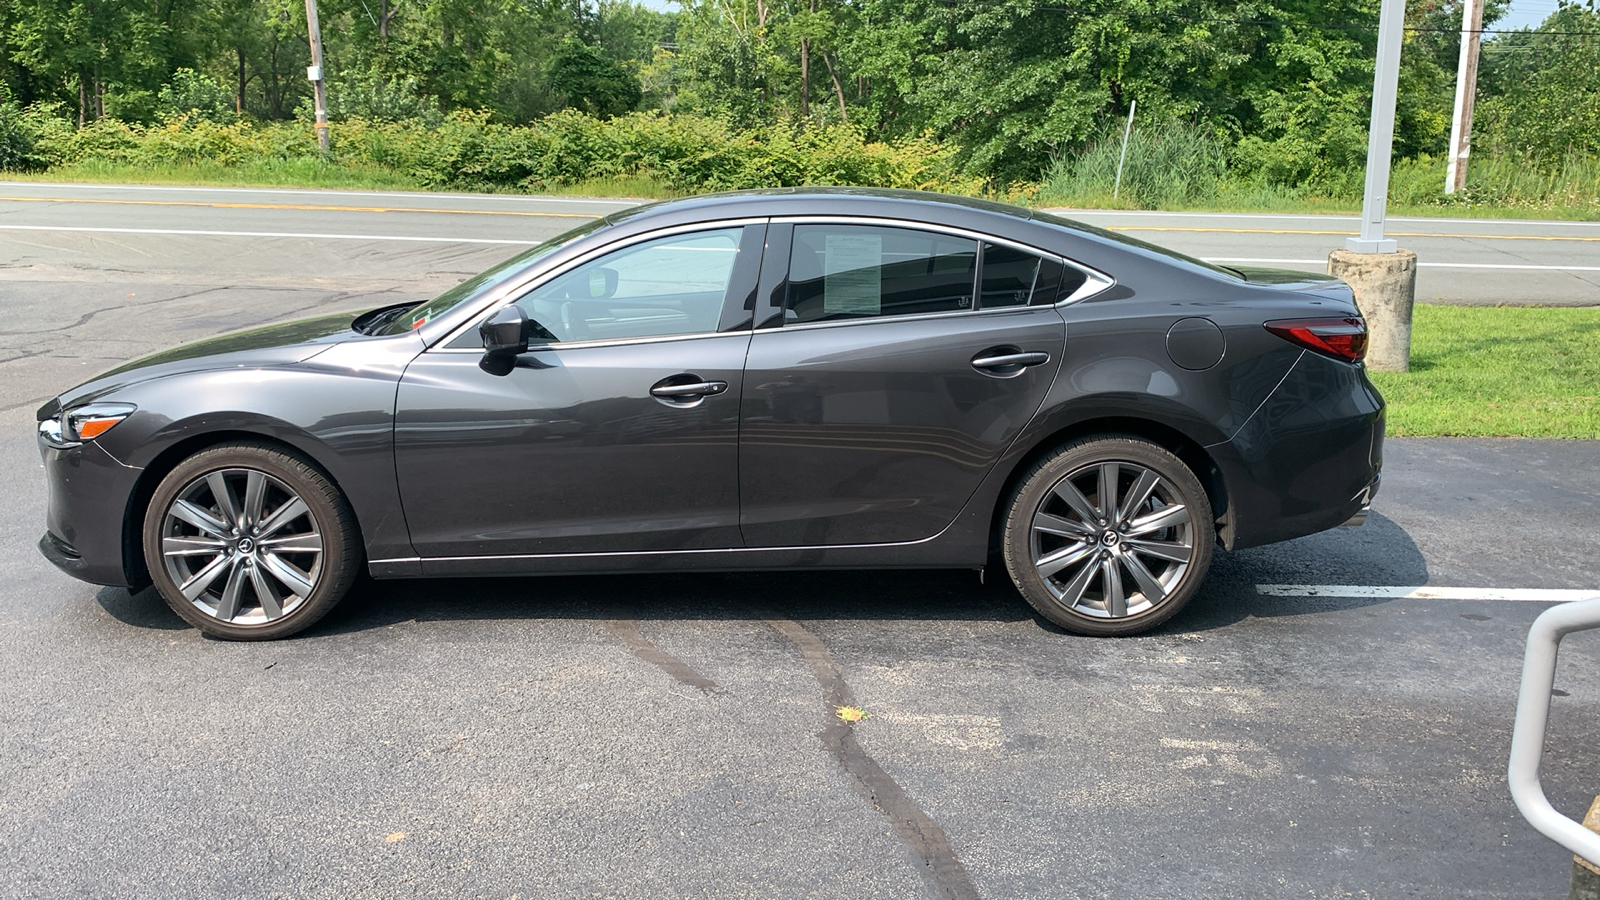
x: 1533, y: 712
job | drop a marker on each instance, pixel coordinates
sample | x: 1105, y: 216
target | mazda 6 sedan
x: 763, y: 380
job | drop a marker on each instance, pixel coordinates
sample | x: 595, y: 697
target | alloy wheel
x: 242, y: 546
x: 1112, y: 539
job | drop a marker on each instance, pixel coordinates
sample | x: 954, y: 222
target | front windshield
x: 483, y: 282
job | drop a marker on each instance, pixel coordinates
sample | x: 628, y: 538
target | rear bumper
x: 1310, y: 458
x: 85, y: 515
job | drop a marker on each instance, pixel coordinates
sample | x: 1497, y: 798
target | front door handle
x: 1008, y: 361
x: 686, y: 390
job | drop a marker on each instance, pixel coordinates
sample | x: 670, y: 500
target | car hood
x: 282, y: 344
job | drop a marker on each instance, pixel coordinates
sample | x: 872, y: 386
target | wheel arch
x: 1188, y: 450
x: 138, y: 508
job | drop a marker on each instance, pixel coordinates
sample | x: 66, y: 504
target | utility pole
x: 1382, y: 276
x: 314, y: 72
x: 1455, y: 175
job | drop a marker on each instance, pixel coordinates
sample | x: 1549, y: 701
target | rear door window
x: 843, y: 272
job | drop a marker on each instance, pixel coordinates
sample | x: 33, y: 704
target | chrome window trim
x: 905, y: 317
x: 1095, y: 281
x: 605, y: 342
x: 509, y: 293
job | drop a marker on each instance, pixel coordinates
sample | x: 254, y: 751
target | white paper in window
x: 852, y: 267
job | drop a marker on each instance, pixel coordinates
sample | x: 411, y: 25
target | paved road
x: 1463, y: 260
x: 652, y: 736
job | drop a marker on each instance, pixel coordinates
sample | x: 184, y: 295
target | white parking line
x: 1426, y: 592
x: 1426, y: 265
x: 279, y: 234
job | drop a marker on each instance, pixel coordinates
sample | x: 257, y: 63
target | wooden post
x: 1455, y: 176
x: 319, y: 92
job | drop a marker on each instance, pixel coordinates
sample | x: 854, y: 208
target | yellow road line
x: 1439, y: 234
x: 371, y: 209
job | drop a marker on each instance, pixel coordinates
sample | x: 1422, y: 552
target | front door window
x: 659, y: 288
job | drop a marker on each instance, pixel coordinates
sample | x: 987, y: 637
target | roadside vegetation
x: 469, y: 151
x: 1498, y: 372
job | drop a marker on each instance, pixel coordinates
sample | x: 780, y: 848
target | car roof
x: 781, y: 201
x: 981, y: 215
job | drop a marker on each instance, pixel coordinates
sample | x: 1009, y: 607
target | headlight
x: 84, y: 423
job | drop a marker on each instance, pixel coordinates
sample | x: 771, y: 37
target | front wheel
x: 248, y: 542
x: 1109, y: 536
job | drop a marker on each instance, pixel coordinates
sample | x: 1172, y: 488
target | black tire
x: 1076, y: 571
x: 239, y: 576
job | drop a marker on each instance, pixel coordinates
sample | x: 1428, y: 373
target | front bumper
x: 86, y: 514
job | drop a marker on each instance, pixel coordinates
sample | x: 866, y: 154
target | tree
x: 587, y: 81
x: 1542, y: 87
x: 75, y: 49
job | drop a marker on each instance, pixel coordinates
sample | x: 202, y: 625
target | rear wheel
x: 1109, y: 536
x: 248, y: 542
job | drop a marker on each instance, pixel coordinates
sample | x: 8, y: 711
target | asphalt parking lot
x: 674, y: 736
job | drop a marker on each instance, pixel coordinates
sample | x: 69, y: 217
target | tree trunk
x: 238, y: 98
x: 83, y: 101
x: 805, y: 78
x: 838, y: 89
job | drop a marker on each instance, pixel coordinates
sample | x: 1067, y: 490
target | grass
x: 1498, y: 372
x: 292, y: 173
x: 306, y: 173
x: 1180, y: 168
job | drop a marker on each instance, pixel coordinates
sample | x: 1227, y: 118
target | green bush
x: 467, y: 151
x: 375, y: 96
x: 16, y: 142
x: 197, y: 97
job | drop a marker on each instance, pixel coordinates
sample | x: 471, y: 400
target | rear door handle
x: 1010, y: 359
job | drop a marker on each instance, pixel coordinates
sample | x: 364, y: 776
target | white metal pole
x: 1455, y: 175
x: 1380, y: 139
x: 1121, y: 158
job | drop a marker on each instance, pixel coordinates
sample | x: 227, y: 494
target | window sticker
x: 852, y: 268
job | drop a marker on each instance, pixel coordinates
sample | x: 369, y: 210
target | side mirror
x: 504, y: 334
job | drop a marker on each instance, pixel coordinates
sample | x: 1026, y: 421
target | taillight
x: 1341, y: 338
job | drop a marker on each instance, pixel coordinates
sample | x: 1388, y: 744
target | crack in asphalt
x: 85, y: 318
x: 38, y: 401
x: 943, y: 871
x: 628, y: 632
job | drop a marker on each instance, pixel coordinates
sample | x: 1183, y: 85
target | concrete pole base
x: 1585, y: 875
x: 1385, y: 286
